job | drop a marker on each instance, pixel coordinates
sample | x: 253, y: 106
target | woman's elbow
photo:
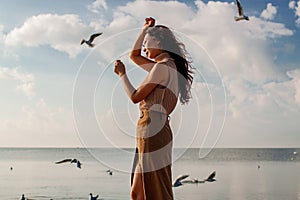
x: 131, y: 54
x: 134, y: 54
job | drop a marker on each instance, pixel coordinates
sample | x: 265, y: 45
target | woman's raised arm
x: 135, y: 54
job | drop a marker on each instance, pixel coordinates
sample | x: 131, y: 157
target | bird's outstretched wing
x: 93, y: 198
x: 177, y: 182
x: 211, y: 176
x: 94, y: 36
x: 240, y: 8
x: 78, y: 164
x: 74, y: 160
x: 63, y: 161
x: 181, y: 177
x: 82, y: 41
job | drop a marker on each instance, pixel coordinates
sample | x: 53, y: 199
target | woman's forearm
x: 137, y: 47
x: 129, y: 89
x: 136, y: 56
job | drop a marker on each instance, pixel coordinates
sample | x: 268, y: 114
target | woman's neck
x: 161, y: 56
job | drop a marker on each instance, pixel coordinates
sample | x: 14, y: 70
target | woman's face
x: 152, y: 46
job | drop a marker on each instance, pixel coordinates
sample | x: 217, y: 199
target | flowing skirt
x: 153, y: 158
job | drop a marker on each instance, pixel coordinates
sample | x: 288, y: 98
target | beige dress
x: 153, y: 156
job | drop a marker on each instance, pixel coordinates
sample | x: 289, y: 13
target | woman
x: 169, y: 77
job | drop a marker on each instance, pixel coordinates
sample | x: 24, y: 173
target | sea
x: 241, y: 173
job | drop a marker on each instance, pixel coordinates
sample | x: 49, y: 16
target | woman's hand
x: 149, y: 22
x: 119, y: 68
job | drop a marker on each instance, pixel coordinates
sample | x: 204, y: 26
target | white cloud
x: 296, y: 7
x: 270, y: 12
x: 262, y: 112
x: 298, y: 21
x: 263, y: 29
x: 40, y: 126
x: 297, y: 11
x: 138, y: 10
x: 238, y: 49
x: 292, y: 4
x: 207, y: 20
x: 61, y: 32
x: 5, y: 52
x: 1, y: 33
x: 97, y: 5
x: 25, y: 81
x: 295, y: 81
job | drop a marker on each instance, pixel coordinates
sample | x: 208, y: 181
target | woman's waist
x: 156, y: 107
x: 154, y: 114
x: 151, y: 123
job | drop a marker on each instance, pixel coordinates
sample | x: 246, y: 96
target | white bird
x: 194, y: 180
x: 180, y: 179
x: 91, y: 39
x: 93, y: 198
x: 241, y: 16
x: 74, y: 160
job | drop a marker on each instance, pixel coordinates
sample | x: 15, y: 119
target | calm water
x: 238, y: 176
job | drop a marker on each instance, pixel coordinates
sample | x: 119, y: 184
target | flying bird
x: 93, y: 198
x: 241, y: 16
x: 91, y: 39
x: 74, y: 160
x: 180, y: 179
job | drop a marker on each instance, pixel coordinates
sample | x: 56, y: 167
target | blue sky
x: 57, y: 93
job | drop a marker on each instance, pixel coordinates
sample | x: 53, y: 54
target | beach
x: 240, y: 173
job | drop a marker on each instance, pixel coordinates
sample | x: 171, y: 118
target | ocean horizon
x: 241, y: 173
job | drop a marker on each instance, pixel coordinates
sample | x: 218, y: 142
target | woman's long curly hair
x: 178, y: 52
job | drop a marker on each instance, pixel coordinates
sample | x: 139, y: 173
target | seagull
x: 178, y: 180
x: 22, y: 197
x: 91, y: 39
x: 93, y: 198
x: 74, y: 160
x: 109, y: 172
x: 241, y: 12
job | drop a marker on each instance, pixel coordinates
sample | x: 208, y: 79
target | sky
x: 58, y: 93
